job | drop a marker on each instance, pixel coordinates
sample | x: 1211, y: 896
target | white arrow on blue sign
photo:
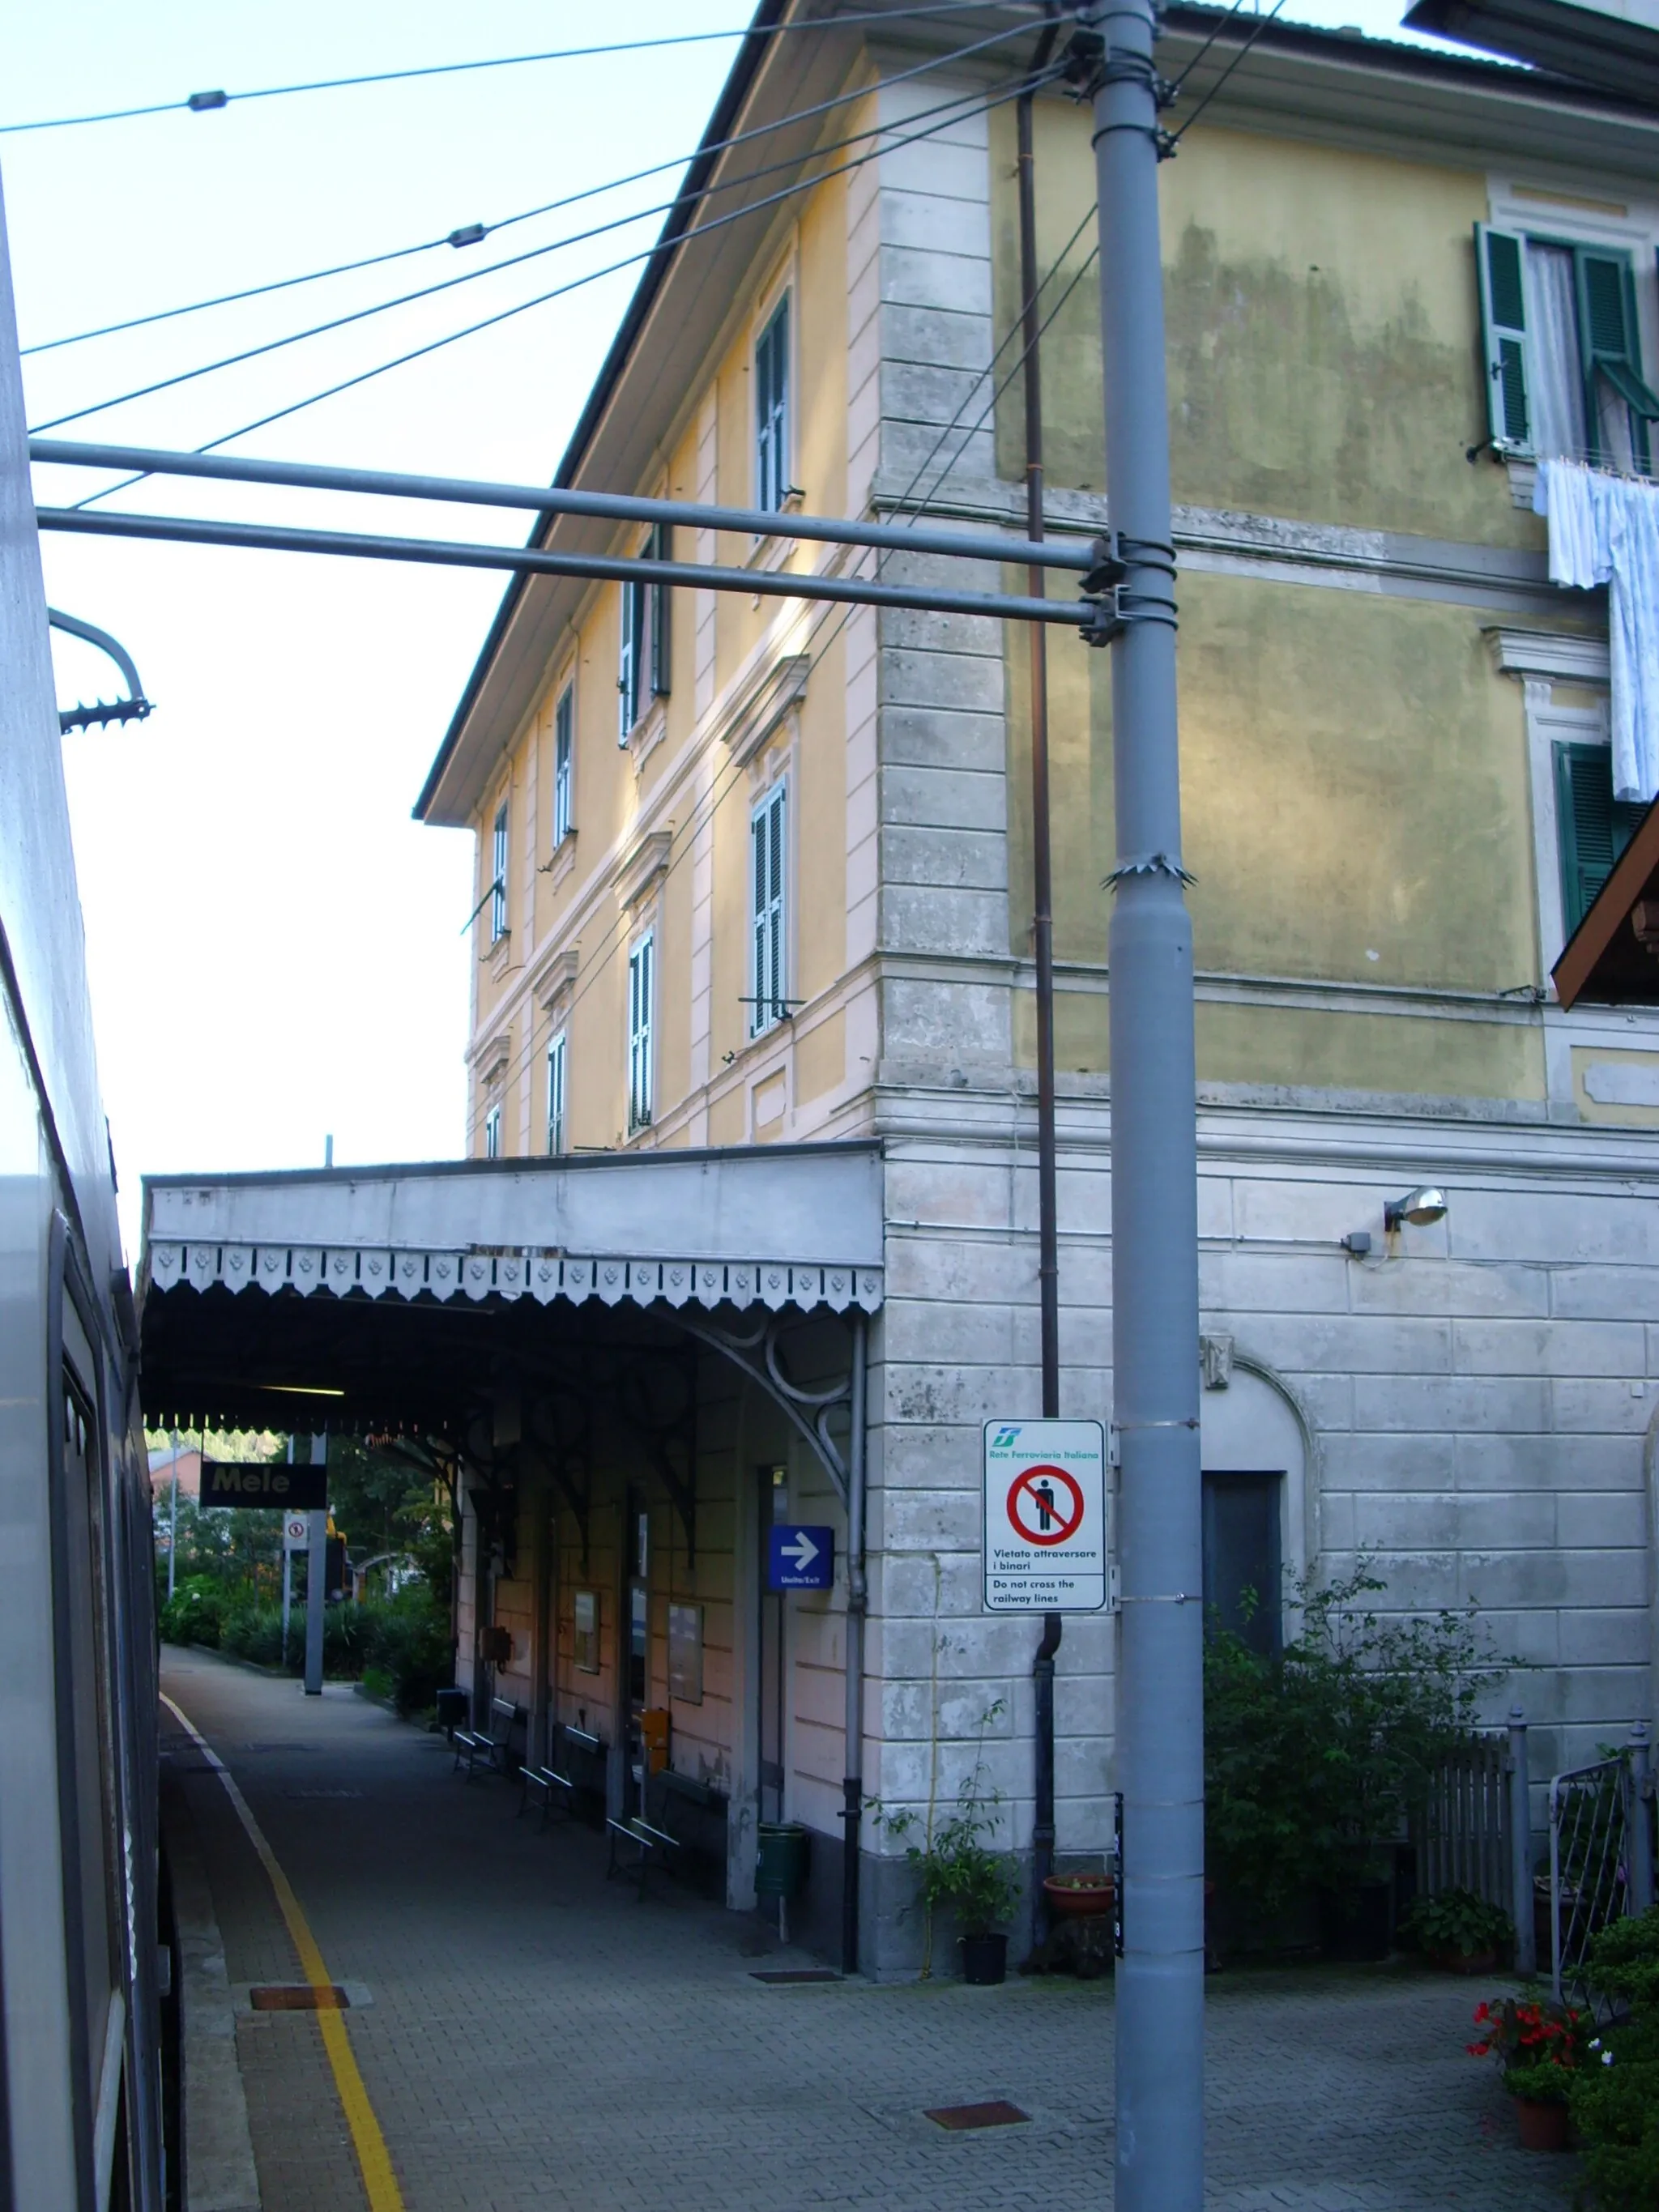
x: 800, y: 1558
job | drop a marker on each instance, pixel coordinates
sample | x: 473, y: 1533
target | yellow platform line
x: 374, y: 2159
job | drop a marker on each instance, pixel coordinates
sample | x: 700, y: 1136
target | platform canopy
x: 387, y: 1297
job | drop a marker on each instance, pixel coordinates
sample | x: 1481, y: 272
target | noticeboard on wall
x: 585, y: 1641
x: 685, y: 1653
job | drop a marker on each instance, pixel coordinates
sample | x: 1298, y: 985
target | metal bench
x: 557, y: 1789
x: 489, y: 1744
x: 649, y: 1843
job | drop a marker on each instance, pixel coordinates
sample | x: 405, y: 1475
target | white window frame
x: 492, y: 1131
x: 774, y: 449
x: 564, y: 761
x: 558, y: 1065
x: 499, y: 855
x: 768, y: 911
x: 642, y: 1031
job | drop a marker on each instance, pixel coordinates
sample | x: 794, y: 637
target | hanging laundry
x: 1604, y: 529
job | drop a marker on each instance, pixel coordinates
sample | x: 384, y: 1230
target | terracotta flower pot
x: 1543, y: 2126
x: 1079, y: 1896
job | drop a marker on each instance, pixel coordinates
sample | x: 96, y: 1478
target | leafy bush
x: 1615, y: 2098
x: 408, y: 1640
x: 1314, y: 1755
x: 1456, y: 1923
x: 195, y: 1613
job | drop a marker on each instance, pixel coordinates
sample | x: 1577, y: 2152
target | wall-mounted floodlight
x: 1418, y: 1207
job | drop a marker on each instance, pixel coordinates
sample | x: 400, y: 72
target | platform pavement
x: 535, y: 2038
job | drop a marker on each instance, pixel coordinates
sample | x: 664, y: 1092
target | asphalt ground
x: 529, y: 2034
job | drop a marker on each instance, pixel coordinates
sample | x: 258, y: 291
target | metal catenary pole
x: 173, y: 1525
x: 1043, y: 943
x: 1160, y: 1983
x: 316, y: 1580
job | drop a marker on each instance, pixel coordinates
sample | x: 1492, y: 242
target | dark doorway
x: 1242, y: 1558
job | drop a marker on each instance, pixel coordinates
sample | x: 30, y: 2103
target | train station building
x: 746, y: 1234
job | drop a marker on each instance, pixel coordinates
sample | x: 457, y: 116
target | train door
x: 89, y: 1825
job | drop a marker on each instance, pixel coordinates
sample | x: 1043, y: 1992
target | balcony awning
x: 384, y: 1296
x: 1612, y: 958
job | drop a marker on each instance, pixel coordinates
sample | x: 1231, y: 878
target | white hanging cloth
x: 1604, y: 529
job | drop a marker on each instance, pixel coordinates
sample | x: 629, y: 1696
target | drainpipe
x: 858, y: 1599
x: 1043, y: 933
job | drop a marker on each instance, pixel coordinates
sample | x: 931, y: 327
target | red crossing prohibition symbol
x: 1033, y: 1495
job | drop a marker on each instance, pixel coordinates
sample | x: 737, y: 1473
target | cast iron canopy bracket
x: 133, y: 709
x: 757, y: 1352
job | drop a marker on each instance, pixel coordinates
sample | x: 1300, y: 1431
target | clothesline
x: 1604, y: 529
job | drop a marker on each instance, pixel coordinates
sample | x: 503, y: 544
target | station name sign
x: 271, y: 1483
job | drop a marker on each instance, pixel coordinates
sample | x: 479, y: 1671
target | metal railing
x: 1601, y: 1857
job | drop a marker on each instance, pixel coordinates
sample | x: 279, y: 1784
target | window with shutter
x: 1562, y: 352
x: 564, y: 744
x: 769, y: 980
x: 1503, y: 322
x: 641, y: 961
x: 498, y: 876
x: 556, y: 1080
x: 772, y: 485
x: 1619, y: 406
x: 1592, y: 826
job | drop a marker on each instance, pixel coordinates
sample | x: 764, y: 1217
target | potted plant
x: 1458, y: 1931
x: 1539, y: 2046
x: 959, y: 1869
x: 1079, y: 1896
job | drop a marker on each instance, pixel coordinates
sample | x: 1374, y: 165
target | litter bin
x: 452, y: 1709
x: 780, y: 1859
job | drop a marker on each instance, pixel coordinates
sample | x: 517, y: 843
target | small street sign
x: 1046, y: 1534
x: 296, y: 1532
x: 800, y: 1558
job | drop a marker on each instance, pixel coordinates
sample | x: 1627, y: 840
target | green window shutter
x: 1498, y: 255
x: 1592, y: 826
x: 1610, y: 343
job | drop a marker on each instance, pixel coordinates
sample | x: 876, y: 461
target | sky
x: 277, y: 952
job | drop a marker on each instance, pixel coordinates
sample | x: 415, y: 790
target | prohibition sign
x: 1032, y: 1490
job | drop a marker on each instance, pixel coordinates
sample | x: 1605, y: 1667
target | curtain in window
x: 1604, y: 529
x: 1556, y: 373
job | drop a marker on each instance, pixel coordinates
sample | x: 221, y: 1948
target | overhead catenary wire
x: 886, y: 141
x: 684, y: 838
x: 198, y: 103
x: 1261, y: 24
x: 474, y: 233
x: 967, y: 102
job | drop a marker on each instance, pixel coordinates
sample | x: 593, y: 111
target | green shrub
x: 195, y: 1613
x: 1456, y: 1923
x: 408, y: 1640
x: 255, y: 1633
x: 1313, y: 1756
x: 1615, y: 2098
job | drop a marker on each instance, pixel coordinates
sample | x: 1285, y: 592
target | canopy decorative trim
x: 373, y: 1271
